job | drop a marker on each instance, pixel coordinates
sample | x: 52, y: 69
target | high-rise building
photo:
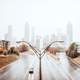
x: 32, y: 36
x: 53, y: 37
x: 27, y: 32
x: 46, y: 41
x: 69, y: 33
x: 62, y: 37
x: 9, y: 35
x: 38, y: 40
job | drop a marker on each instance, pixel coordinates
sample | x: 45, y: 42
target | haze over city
x: 39, y: 39
x: 46, y: 16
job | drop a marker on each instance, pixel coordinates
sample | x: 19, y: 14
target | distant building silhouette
x: 38, y: 40
x: 9, y: 34
x: 32, y: 36
x: 46, y: 41
x: 69, y: 33
x: 27, y: 32
x: 53, y: 37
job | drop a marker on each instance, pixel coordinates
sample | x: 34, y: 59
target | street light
x: 35, y: 51
x: 39, y: 55
x: 49, y: 46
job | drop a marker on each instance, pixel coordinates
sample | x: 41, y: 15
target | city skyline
x: 38, y: 40
x: 47, y: 16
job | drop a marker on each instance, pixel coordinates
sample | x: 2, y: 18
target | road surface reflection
x: 53, y: 68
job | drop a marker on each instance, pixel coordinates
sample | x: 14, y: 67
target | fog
x: 46, y: 16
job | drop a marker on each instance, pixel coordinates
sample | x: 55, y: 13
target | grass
x: 5, y: 60
x: 77, y: 60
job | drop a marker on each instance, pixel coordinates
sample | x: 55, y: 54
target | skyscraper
x: 27, y: 32
x: 69, y: 33
x: 46, y: 41
x: 38, y: 42
x: 32, y: 36
x: 53, y: 37
x: 9, y: 35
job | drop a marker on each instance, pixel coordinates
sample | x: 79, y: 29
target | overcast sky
x: 46, y: 16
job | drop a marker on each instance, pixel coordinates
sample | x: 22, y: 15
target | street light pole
x: 40, y: 68
x: 40, y: 55
x: 40, y: 58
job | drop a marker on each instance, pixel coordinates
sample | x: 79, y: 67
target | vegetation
x: 23, y: 48
x: 72, y: 51
x: 5, y: 60
x: 13, y: 50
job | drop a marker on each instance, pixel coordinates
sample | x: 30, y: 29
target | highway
x: 52, y: 68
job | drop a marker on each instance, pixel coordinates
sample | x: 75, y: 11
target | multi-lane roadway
x: 52, y: 68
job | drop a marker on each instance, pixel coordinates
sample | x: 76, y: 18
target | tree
x: 72, y: 51
x: 13, y: 50
x: 23, y: 48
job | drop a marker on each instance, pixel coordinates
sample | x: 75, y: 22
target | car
x: 31, y: 71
